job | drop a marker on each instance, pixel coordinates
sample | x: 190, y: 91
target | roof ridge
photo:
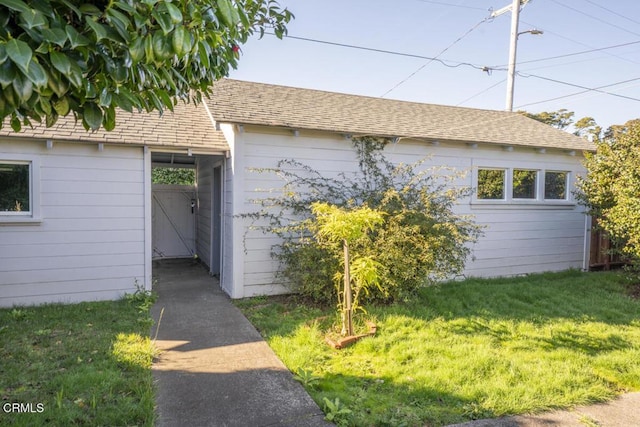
x: 330, y: 92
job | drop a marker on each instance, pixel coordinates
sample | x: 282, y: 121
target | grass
x: 467, y: 350
x: 81, y: 364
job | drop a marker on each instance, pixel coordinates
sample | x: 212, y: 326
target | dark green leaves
x: 89, y: 58
x: 99, y: 30
x: 92, y: 116
x: 18, y: 5
x: 55, y: 36
x: 20, y: 53
x: 61, y: 62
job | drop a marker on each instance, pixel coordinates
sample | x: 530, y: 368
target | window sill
x: 20, y: 220
x: 522, y: 204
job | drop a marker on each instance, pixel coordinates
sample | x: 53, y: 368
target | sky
x: 586, y: 44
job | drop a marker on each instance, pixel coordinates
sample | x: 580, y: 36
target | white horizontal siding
x: 226, y: 276
x: 90, y: 242
x: 205, y: 183
x: 517, y: 239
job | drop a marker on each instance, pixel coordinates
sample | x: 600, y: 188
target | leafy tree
x: 173, y: 176
x: 560, y: 119
x: 587, y: 127
x: 420, y: 241
x: 611, y: 189
x: 68, y: 56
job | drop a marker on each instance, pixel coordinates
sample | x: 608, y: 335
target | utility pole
x: 513, y: 45
x: 513, y: 48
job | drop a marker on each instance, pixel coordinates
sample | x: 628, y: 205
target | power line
x: 451, y: 63
x: 431, y: 60
x: 477, y: 67
x: 446, y: 63
x: 594, y: 17
x: 481, y: 92
x: 576, y: 93
x: 582, y: 44
x: 587, y: 89
x: 566, y: 55
x: 452, y: 5
x: 613, y: 12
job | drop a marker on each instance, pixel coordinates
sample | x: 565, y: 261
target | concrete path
x: 214, y: 368
x: 622, y: 412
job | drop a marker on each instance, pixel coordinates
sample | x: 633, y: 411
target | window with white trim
x: 15, y: 187
x: 491, y: 184
x: 516, y: 185
x: 19, y: 190
x: 555, y: 185
x: 524, y: 184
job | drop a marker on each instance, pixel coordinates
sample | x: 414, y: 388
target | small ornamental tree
x: 337, y: 229
x: 419, y: 241
x: 611, y: 188
x: 88, y: 58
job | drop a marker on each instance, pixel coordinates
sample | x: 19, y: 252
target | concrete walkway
x: 214, y: 368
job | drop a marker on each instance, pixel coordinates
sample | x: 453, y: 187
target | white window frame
x: 504, y: 187
x: 509, y: 200
x: 536, y: 189
x: 33, y: 215
x: 567, y: 184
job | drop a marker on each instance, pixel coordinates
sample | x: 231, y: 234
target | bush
x: 420, y: 241
x: 610, y: 188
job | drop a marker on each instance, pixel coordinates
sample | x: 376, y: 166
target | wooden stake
x: 348, y: 317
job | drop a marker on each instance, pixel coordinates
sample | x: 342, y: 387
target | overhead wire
x: 452, y: 5
x: 587, y: 89
x: 431, y: 60
x: 578, y: 93
x: 594, y: 17
x: 613, y: 12
x: 581, y: 44
x: 446, y: 63
x: 452, y: 63
x: 481, y: 92
x: 566, y: 55
x: 455, y: 64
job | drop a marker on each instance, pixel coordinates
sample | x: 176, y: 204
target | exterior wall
x: 226, y: 276
x: 231, y: 279
x: 204, y: 184
x: 518, y: 238
x: 90, y: 241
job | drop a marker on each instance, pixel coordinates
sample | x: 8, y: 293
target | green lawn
x: 467, y: 350
x: 81, y: 364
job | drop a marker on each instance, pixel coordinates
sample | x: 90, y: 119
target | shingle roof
x: 243, y: 102
x: 189, y: 126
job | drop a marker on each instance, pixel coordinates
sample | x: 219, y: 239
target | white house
x: 84, y: 228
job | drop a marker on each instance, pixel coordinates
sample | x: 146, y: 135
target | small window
x: 524, y: 184
x: 15, y: 197
x: 491, y: 184
x: 555, y: 185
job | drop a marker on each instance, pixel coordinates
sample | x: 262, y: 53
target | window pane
x: 524, y: 184
x: 491, y: 184
x: 555, y: 185
x: 14, y: 188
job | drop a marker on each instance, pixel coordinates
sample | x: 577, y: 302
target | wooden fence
x: 600, y: 256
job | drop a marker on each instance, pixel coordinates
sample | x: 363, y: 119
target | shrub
x: 420, y: 241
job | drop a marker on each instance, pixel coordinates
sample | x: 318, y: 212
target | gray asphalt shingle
x: 241, y: 102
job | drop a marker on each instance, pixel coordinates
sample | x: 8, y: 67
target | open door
x: 216, y: 222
